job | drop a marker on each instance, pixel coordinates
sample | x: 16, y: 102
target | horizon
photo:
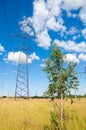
x: 57, y: 21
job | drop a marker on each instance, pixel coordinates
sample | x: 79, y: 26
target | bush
x: 4, y: 96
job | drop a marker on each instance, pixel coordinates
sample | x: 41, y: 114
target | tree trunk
x: 62, y: 110
x: 75, y: 92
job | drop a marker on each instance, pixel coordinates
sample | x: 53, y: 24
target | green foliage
x: 62, y: 76
x: 54, y: 121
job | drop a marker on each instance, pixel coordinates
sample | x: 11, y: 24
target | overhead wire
x: 17, y: 15
x: 44, y: 25
x: 18, y: 8
x: 5, y: 16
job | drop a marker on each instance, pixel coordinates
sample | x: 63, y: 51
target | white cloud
x: 73, y: 4
x: 14, y: 57
x: 47, y: 15
x: 43, y: 39
x: 1, y: 48
x: 43, y: 11
x: 69, y: 14
x: 55, y: 25
x: 69, y: 5
x: 42, y: 65
x: 39, y: 15
x: 71, y: 45
x: 82, y: 57
x: 73, y: 31
x: 54, y: 6
x: 24, y: 26
x: 76, y: 36
x: 71, y: 58
x: 84, y: 33
x: 44, y: 18
x: 83, y: 13
x: 33, y: 56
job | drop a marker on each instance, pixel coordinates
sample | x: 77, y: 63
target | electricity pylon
x: 22, y: 82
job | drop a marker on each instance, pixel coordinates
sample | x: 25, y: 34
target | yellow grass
x: 33, y: 114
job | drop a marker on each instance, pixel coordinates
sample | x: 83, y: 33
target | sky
x: 46, y: 22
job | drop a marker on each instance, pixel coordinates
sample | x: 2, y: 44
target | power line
x: 5, y: 15
x: 44, y: 25
x: 17, y: 15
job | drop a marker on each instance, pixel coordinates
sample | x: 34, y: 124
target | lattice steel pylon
x: 22, y: 82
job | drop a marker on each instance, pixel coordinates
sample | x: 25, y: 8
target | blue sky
x: 49, y: 21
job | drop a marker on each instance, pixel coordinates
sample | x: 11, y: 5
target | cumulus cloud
x: 42, y: 64
x: 55, y: 6
x: 24, y: 26
x: 1, y: 48
x: 55, y: 25
x: 46, y: 16
x: 71, y: 45
x: 74, y: 4
x: 83, y: 13
x: 71, y: 58
x: 69, y: 14
x: 43, y: 39
x: 33, y: 56
x: 73, y: 31
x: 84, y: 33
x: 82, y: 57
x: 39, y: 15
x: 14, y: 57
x: 69, y: 5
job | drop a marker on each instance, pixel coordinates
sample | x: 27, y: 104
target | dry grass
x: 77, y: 115
x: 33, y: 114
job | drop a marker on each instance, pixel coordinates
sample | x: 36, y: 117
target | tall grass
x: 33, y: 114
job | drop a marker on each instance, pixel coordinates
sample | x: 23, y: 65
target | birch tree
x: 61, y: 75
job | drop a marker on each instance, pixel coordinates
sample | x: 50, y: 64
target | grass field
x: 33, y: 114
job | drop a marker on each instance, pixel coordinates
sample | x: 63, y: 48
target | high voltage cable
x: 17, y: 15
x: 5, y: 15
x: 44, y: 25
x: 19, y: 8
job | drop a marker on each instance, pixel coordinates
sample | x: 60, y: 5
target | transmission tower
x: 22, y: 83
